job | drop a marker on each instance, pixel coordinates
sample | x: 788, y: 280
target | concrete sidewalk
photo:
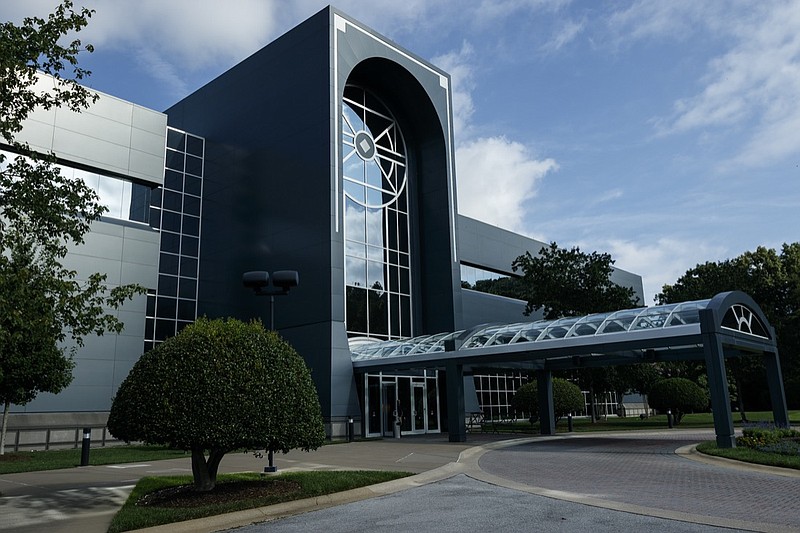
x: 84, y: 500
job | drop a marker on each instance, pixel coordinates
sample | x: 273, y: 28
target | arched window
x: 377, y: 247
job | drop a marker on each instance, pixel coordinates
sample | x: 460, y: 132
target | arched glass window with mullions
x: 377, y: 248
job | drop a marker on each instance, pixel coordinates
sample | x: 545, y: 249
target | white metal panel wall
x: 111, y: 135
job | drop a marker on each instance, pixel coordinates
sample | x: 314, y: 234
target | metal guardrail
x: 50, y: 430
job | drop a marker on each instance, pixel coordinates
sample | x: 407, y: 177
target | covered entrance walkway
x: 729, y: 325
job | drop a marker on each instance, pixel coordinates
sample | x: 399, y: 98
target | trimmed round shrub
x: 567, y: 398
x: 679, y: 395
x: 218, y: 386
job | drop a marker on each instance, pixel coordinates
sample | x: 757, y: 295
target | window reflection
x: 355, y: 221
x: 378, y: 298
x: 124, y: 199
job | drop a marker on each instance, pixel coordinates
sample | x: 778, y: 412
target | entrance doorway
x: 389, y: 408
x: 411, y: 400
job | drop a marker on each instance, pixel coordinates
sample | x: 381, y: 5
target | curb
x: 690, y: 452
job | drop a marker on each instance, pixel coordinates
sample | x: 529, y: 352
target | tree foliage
x: 565, y: 282
x: 679, y: 395
x: 217, y: 386
x: 772, y: 279
x: 507, y: 286
x: 567, y: 398
x: 43, y: 214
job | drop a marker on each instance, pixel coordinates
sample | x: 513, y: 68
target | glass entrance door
x: 413, y: 400
x: 389, y: 406
x: 418, y: 408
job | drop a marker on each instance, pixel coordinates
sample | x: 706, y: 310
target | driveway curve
x: 641, y: 473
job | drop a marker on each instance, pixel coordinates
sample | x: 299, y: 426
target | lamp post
x: 277, y: 285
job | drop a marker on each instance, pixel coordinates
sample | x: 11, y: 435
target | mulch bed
x: 186, y: 496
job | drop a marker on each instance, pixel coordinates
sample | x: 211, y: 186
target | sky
x: 664, y: 133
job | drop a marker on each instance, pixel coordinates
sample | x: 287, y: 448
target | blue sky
x: 666, y: 133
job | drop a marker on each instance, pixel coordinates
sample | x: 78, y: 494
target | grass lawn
x: 236, y: 492
x: 14, y: 462
x: 750, y: 456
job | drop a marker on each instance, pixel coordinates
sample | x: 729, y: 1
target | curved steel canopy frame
x: 730, y: 324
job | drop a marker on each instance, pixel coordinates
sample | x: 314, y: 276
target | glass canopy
x: 661, y: 316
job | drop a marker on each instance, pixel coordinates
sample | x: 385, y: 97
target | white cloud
x: 457, y: 64
x: 495, y: 178
x: 495, y: 175
x: 676, y: 19
x: 609, y: 196
x: 189, y: 34
x: 752, y: 85
x: 162, y: 70
x: 661, y: 261
x: 567, y: 33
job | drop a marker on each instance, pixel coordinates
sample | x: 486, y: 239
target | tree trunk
x: 204, y: 470
x: 592, y: 404
x: 6, y: 409
x: 740, y: 399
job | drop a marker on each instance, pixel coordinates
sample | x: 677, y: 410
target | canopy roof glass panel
x: 599, y: 324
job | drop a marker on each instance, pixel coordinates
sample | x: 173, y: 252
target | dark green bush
x: 567, y: 398
x: 218, y: 386
x: 679, y: 395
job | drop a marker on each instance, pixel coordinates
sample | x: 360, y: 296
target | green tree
x: 772, y: 279
x: 567, y: 398
x: 679, y: 395
x: 636, y: 378
x: 43, y: 214
x: 217, y: 386
x: 565, y: 282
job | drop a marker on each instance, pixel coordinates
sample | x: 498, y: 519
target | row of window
x: 495, y: 392
x: 175, y: 210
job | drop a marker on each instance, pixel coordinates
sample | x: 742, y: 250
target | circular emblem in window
x: 365, y: 145
x: 373, y: 151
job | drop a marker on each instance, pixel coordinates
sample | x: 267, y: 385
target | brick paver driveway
x: 642, y: 469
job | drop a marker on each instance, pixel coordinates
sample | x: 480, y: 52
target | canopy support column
x: 547, y: 419
x: 456, y: 414
x: 777, y: 394
x: 717, y: 380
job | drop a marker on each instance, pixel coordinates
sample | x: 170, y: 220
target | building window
x: 471, y: 275
x: 123, y: 199
x: 377, y: 246
x: 175, y: 209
